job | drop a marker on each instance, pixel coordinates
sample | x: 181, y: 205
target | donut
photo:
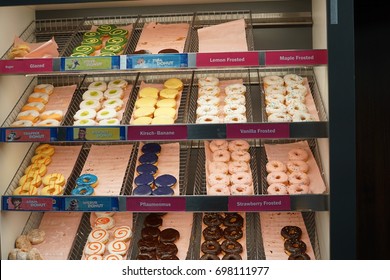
x: 275, y: 107
x: 234, y: 118
x: 93, y: 94
x: 208, y: 100
x: 87, y: 179
x: 234, y: 108
x: 173, y: 83
x: 144, y: 112
x: 279, y: 117
x: 166, y: 249
x: 241, y: 155
x: 238, y: 166
x: 146, y: 169
x: 21, y: 123
x: 231, y: 247
x: 241, y: 178
x: 84, y: 122
x: 296, y: 107
x: 298, y: 154
x: 297, y: 89
x: 167, y: 102
x: 294, y: 246
x: 84, y: 49
x: 104, y: 214
x: 238, y: 145
x: 218, y: 179
x: 106, y: 113
x: 148, y: 158
x: 218, y: 145
x: 209, y: 90
x: 299, y: 256
x: 165, y: 112
x: 206, y: 110
x: 150, y: 232
x: 165, y: 180
x: 233, y: 220
x: 277, y: 177
x: 142, y: 121
x: 45, y: 149
x: 232, y: 257
x: 113, y: 103
x: 275, y: 165
x: 117, y: 83
x: 84, y: 114
x: 208, y: 119
x: 105, y: 29
x: 41, y: 159
x: 294, y: 98
x: 52, y: 114
x: 118, y: 32
x: 235, y: 89
x: 275, y: 98
x: 142, y: 190
x: 297, y: 166
x: 105, y: 222
x: 298, y: 189
x: 113, y: 121
x: 218, y: 167
x: 288, y: 232
x: 36, y: 236
x: 83, y: 190
x: 277, y: 188
x: 221, y: 155
x: 153, y: 220
x: 273, y: 80
x: 118, y: 247
x: 212, y: 219
x: 240, y: 190
x: 98, y: 235
x: 93, y: 104
x: 94, y: 257
x: 95, y: 43
x: 113, y: 257
x: 41, y: 169
x: 169, y: 257
x: 25, y: 191
x: 98, y: 86
x: 209, y: 257
x: 54, y: 178
x: 169, y: 93
x: 169, y: 235
x: 292, y: 79
x: 208, y: 81
x: 48, y: 122
x: 93, y: 248
x: 117, y: 40
x: 38, y: 97
x: 219, y: 189
x: 44, y: 88
x: 162, y: 120
x: 91, y: 34
x: 275, y: 89
x: 154, y: 148
x: 211, y: 247
x: 232, y: 233
x: 302, y: 117
x: 116, y: 49
x: 144, y: 179
x: 150, y: 92
x: 113, y: 93
x: 29, y: 115
x: 235, y: 99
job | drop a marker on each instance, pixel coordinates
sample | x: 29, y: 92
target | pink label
x: 27, y: 135
x: 26, y: 65
x: 30, y: 204
x: 258, y: 130
x: 155, y: 204
x: 227, y: 59
x: 259, y: 203
x: 306, y: 57
x: 157, y: 132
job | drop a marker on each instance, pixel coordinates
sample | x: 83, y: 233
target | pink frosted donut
x: 297, y: 165
x: 295, y: 189
x: 238, y: 166
x: 277, y: 188
x: 275, y: 165
x: 221, y: 155
x: 240, y: 190
x: 218, y: 145
x: 218, y: 179
x: 241, y: 178
x: 240, y: 156
x: 298, y: 178
x: 238, y: 145
x: 277, y: 177
x: 298, y: 154
x: 219, y: 190
x: 218, y: 167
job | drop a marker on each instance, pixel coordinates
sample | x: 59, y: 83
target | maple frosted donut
x: 297, y: 166
x: 238, y: 166
x: 98, y: 85
x: 94, y: 248
x: 218, y: 167
x: 292, y: 79
x: 41, y: 159
x: 218, y: 145
x: 206, y: 110
x: 117, y: 247
x: 38, y: 97
x: 302, y: 117
x: 113, y: 93
x: 98, y: 235
x: 275, y: 107
x: 44, y: 88
x: 235, y: 89
x: 208, y: 100
x: 41, y: 169
x: 238, y: 145
x: 45, y: 149
x: 121, y: 83
x: 234, y: 108
x: 277, y: 177
x: 208, y: 81
x: 31, y: 178
x: 238, y: 189
x: 234, y: 118
x: 240, y: 155
x: 275, y: 165
x: 21, y: 123
x: 113, y: 103
x: 219, y: 190
x: 275, y: 89
x: 37, y: 106
x: 85, y: 114
x: 52, y: 190
x: 105, y: 222
x: 52, y: 115
x: 277, y: 188
x: 48, y: 122
x: 113, y: 257
x: 273, y: 80
x: 298, y: 178
x: 209, y: 90
x: 241, y: 178
x: 221, y: 155
x: 54, y: 178
x: 279, y: 117
x: 235, y: 99
x: 218, y: 179
x: 208, y: 119
x: 122, y: 233
x: 294, y: 98
x: 106, y: 113
x: 29, y: 115
x: 94, y: 257
x: 298, y: 189
x: 296, y: 107
x: 275, y: 98
x: 93, y: 104
x: 297, y: 89
x: 298, y: 154
x: 84, y: 122
x: 93, y: 94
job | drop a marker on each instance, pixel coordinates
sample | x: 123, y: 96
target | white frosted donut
x: 208, y: 100
x: 275, y: 165
x: 52, y: 114
x: 234, y: 118
x: 302, y: 117
x: 38, y: 97
x: 275, y: 98
x: 218, y: 145
x: 84, y: 114
x: 277, y: 188
x: 113, y: 93
x: 208, y: 81
x: 93, y: 104
x: 113, y: 103
x: 297, y: 89
x: 122, y: 233
x: 292, y: 79
x: 275, y: 107
x: 113, y: 121
x: 296, y: 107
x: 105, y: 114
x: 279, y: 117
x: 117, y: 247
x: 294, y: 98
x: 238, y: 166
x: 218, y: 179
x: 235, y: 99
x: 234, y: 108
x: 221, y: 155
x: 218, y: 190
x: 218, y: 167
x: 84, y: 122
x: 94, y: 257
x: 98, y: 235
x: 206, y: 110
x: 238, y: 145
x: 273, y: 80
x: 105, y: 222
x: 98, y: 85
x: 241, y: 178
x: 37, y: 106
x: 275, y: 89
x: 277, y: 177
x: 298, y: 189
x: 29, y: 115
x: 48, y: 122
x: 240, y: 155
x: 21, y: 123
x: 240, y: 190
x: 298, y: 154
x: 93, y: 94
x: 209, y: 90
x: 297, y: 165
x: 118, y: 83
x: 298, y: 178
x: 208, y: 119
x: 44, y: 88
x: 235, y: 89
x: 113, y: 257
x: 94, y: 248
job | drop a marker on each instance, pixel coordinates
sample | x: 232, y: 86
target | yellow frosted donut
x: 45, y: 149
x: 167, y: 102
x: 31, y: 191
x: 93, y: 104
x: 142, y: 121
x: 84, y: 122
x: 54, y: 178
x: 32, y: 178
x: 165, y: 111
x: 173, y: 83
x: 41, y: 159
x: 36, y: 168
x: 144, y: 112
x: 162, y: 120
x: 145, y: 102
x: 169, y: 93
x: 98, y: 85
x: 149, y: 92
x: 117, y: 83
x: 52, y: 189
x: 93, y: 94
x: 84, y: 114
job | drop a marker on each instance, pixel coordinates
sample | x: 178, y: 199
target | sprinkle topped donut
x: 218, y: 145
x: 298, y: 154
x: 208, y: 81
x: 238, y: 145
x: 273, y: 80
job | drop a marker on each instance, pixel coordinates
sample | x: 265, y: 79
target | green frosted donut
x: 105, y: 28
x: 94, y: 42
x: 112, y: 48
x: 78, y: 54
x: 118, y: 32
x: 92, y: 34
x: 116, y: 41
x: 84, y: 49
x: 107, y: 54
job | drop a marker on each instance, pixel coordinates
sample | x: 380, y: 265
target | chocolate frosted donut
x: 294, y: 246
x: 212, y: 233
x: 167, y: 249
x: 232, y: 233
x: 232, y: 257
x: 299, y: 256
x: 288, y: 232
x: 146, y: 246
x: 148, y: 232
x: 169, y: 235
x: 147, y: 256
x: 148, y: 158
x: 146, y: 169
x: 154, y: 148
x: 211, y: 247
x: 153, y: 220
x: 168, y: 51
x: 233, y: 220
x: 231, y: 247
x: 209, y: 257
x: 170, y: 257
x: 212, y: 219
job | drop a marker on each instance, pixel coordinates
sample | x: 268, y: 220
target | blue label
x: 157, y: 61
x: 90, y: 203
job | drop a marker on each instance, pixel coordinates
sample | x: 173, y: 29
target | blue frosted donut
x: 88, y: 179
x: 151, y: 148
x: 83, y: 189
x: 165, y: 180
x: 163, y: 191
x: 148, y: 158
x: 142, y: 190
x: 144, y: 179
x: 147, y: 169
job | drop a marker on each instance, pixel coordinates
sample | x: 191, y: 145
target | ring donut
x: 31, y: 178
x: 29, y: 115
x: 211, y: 247
x: 232, y: 233
x: 93, y: 104
x: 20, y: 191
x: 241, y: 155
x: 235, y: 99
x: 238, y: 145
x: 238, y: 166
x: 106, y: 113
x: 218, y: 167
x: 98, y: 85
x: 209, y: 90
x: 275, y: 108
x: 45, y: 149
x: 54, y: 178
x: 48, y: 122
x: 212, y: 219
x: 277, y: 188
x: 277, y: 177
x: 298, y: 178
x: 231, y: 247
x: 113, y: 93
x: 288, y: 232
x: 296, y: 107
x: 218, y: 179
x: 218, y: 145
x: 208, y: 119
x: 235, y: 89
x: 241, y: 178
x: 206, y: 110
x: 279, y: 117
x: 88, y: 179
x: 52, y: 114
x: 52, y: 189
x: 219, y: 190
x: 44, y: 88
x: 83, y: 190
x: 302, y: 117
x: 294, y: 98
x: 275, y: 98
x: 221, y: 155
x: 41, y: 169
x: 275, y: 165
x: 38, y: 97
x: 121, y: 83
x: 297, y: 166
x: 233, y: 219
x: 297, y: 89
x: 240, y: 190
x: 208, y: 81
x: 232, y: 257
x: 294, y: 246
x: 299, y: 256
x: 298, y: 189
x: 292, y: 79
x: 234, y: 108
x: 273, y: 80
x: 212, y: 233
x: 275, y: 89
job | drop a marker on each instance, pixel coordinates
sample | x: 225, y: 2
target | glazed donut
x: 83, y: 190
x: 21, y: 123
x: 208, y: 119
x: 29, y: 115
x: 275, y: 165
x: 208, y: 100
x: 279, y: 117
x: 231, y: 247
x: 118, y: 83
x: 275, y: 98
x: 52, y: 189
x: 113, y: 103
x: 41, y: 169
x: 44, y: 88
x: 105, y: 222
x: 277, y: 177
x: 48, y: 122
x: 297, y: 166
x: 36, y: 236
x: 297, y: 89
x: 93, y: 104
x: 219, y: 189
x: 302, y: 117
x: 218, y: 179
x: 294, y: 98
x: 87, y: 179
x: 235, y: 89
x: 277, y: 188
x: 45, y: 149
x: 98, y: 85
x: 117, y: 247
x: 294, y: 246
x: 31, y: 178
x: 238, y: 145
x: 240, y: 190
x: 169, y: 235
x: 238, y: 166
x: 52, y: 114
x: 209, y: 90
x: 206, y: 110
x: 113, y: 257
x: 234, y: 108
x: 85, y: 114
x: 106, y: 113
x: 241, y: 178
x: 38, y: 97
x: 93, y: 94
x: 298, y: 189
x: 54, y: 178
x: 291, y: 232
x: 234, y: 118
x: 93, y: 248
x: 94, y: 257
x: 232, y: 233
x: 275, y: 108
x: 211, y: 247
x: 84, y: 122
x: 41, y: 159
x: 298, y: 154
x: 235, y: 99
x: 30, y: 191
x: 221, y: 155
x: 233, y: 220
x: 208, y: 81
x: 292, y: 79
x: 232, y: 257
x: 218, y: 167
x: 273, y: 80
x: 296, y: 107
x: 241, y: 155
x: 299, y: 256
x: 209, y: 257
x: 275, y: 89
x: 113, y: 121
x: 212, y: 219
x: 113, y: 93
x: 218, y: 145
x: 98, y: 235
